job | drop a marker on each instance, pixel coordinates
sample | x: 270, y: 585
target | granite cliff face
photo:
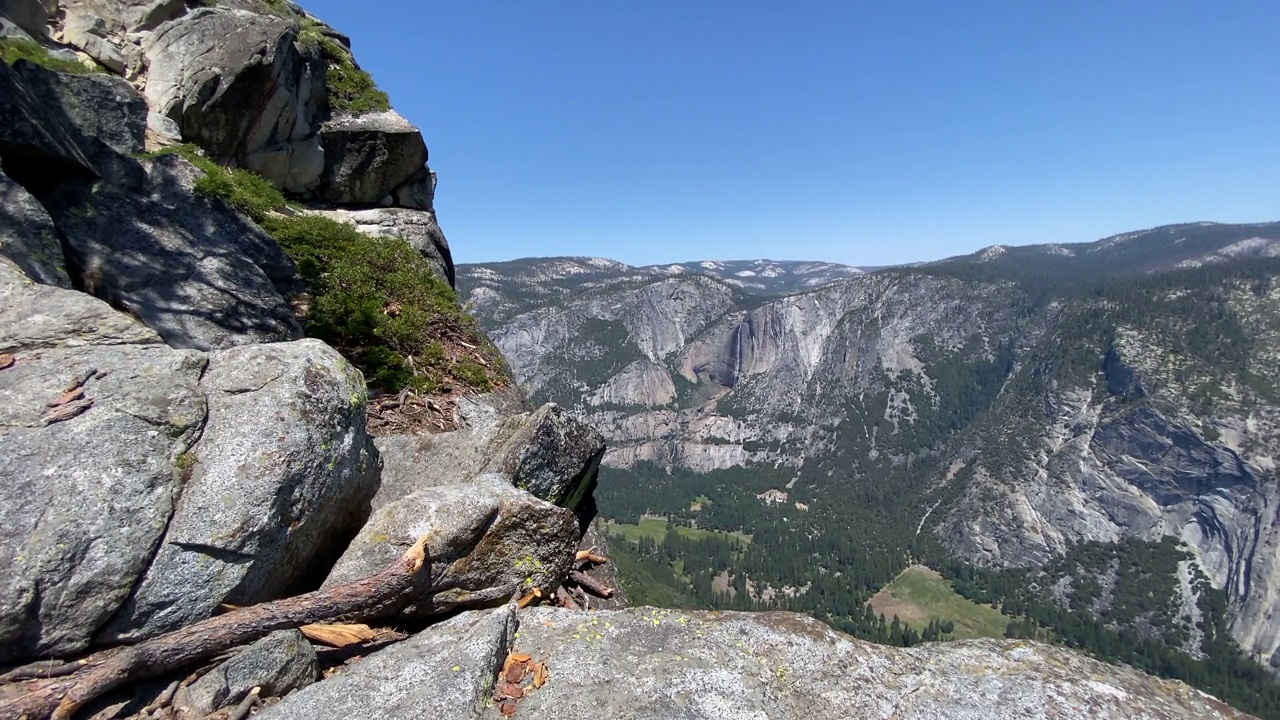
x: 1033, y: 417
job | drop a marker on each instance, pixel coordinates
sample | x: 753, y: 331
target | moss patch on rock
x: 376, y: 300
x: 14, y: 49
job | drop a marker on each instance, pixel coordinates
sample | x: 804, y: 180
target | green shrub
x: 350, y: 89
x: 380, y: 303
x: 376, y: 300
x: 239, y: 188
x: 14, y: 49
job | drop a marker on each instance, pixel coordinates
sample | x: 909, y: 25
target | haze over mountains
x: 1006, y: 409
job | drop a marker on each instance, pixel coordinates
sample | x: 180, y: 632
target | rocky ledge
x: 651, y: 663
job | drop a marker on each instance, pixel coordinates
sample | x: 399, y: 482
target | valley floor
x: 920, y: 595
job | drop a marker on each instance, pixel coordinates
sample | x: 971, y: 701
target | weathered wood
x: 590, y: 584
x: 377, y: 596
x: 42, y: 670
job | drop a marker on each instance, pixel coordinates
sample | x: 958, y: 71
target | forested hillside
x: 1031, y: 421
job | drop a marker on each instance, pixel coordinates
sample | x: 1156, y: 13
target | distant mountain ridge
x: 514, y: 285
x: 999, y: 408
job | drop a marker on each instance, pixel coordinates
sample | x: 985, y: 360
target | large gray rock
x: 281, y: 479
x: 30, y: 15
x: 241, y: 86
x: 56, y: 127
x: 647, y: 663
x: 445, y: 672
x: 552, y: 455
x: 278, y: 664
x: 28, y: 236
x: 417, y: 227
x: 136, y: 233
x: 369, y: 156
x: 121, y: 17
x: 488, y: 541
x: 87, y: 498
x: 90, y: 35
x: 199, y: 273
x: 36, y: 317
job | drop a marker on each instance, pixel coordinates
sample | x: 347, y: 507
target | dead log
x: 590, y: 584
x: 377, y: 596
x: 42, y: 669
x: 590, y: 556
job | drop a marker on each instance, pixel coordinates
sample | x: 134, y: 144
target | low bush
x: 377, y: 300
x: 14, y: 49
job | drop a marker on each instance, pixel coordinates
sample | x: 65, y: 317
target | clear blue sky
x: 859, y: 132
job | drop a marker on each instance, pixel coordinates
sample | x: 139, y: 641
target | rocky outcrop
x: 30, y: 15
x: 240, y: 85
x: 149, y: 484
x: 553, y: 456
x: 489, y: 541
x: 134, y: 232
x: 28, y: 236
x: 200, y: 274
x: 660, y: 663
x: 281, y: 478
x: 247, y: 81
x: 88, y: 496
x: 369, y: 157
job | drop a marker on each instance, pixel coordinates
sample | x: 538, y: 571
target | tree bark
x: 381, y: 595
x: 588, y: 583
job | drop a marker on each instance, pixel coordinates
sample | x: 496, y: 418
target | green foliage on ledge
x: 376, y: 300
x: 350, y: 89
x: 14, y: 49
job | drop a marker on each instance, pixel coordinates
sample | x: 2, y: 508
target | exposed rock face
x: 145, y: 473
x: 444, y: 673
x: 199, y: 273
x: 87, y: 498
x: 238, y: 84
x: 28, y: 236
x: 704, y: 665
x: 136, y: 234
x: 37, y: 317
x: 553, y: 456
x: 90, y: 35
x: 664, y: 664
x: 30, y: 15
x: 653, y: 365
x: 1147, y: 462
x: 281, y: 478
x: 489, y: 540
x: 120, y: 17
x: 369, y: 156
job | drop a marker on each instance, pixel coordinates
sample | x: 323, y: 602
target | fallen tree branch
x: 377, y: 596
x: 41, y: 670
x: 588, y: 583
